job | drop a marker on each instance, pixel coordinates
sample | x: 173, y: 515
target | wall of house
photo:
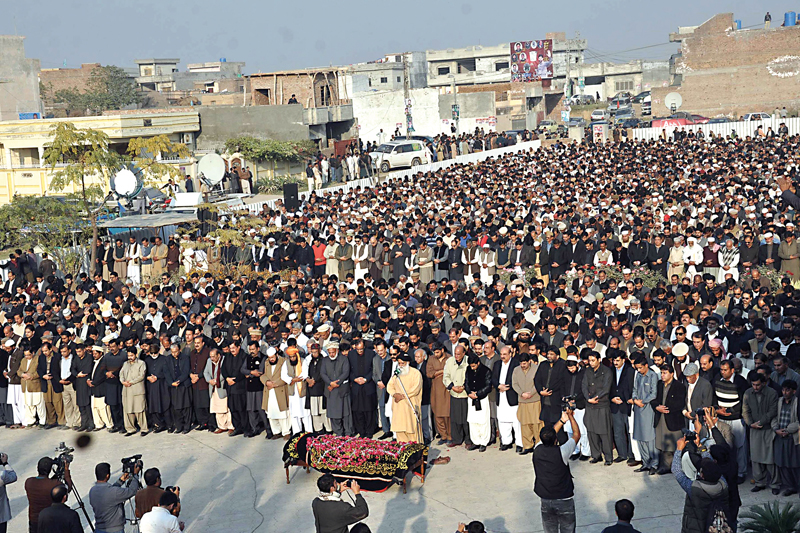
x: 20, y: 79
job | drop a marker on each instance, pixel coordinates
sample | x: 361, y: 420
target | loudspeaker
x: 291, y: 197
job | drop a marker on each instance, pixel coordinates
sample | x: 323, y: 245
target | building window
x: 501, y: 65
x: 324, y: 96
x: 370, y: 82
x: 444, y: 71
x: 384, y: 79
x: 148, y: 122
x: 398, y: 79
x: 623, y: 86
x: 398, y: 59
x: 466, y: 65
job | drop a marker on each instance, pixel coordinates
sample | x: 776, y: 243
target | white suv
x: 756, y: 116
x: 396, y: 154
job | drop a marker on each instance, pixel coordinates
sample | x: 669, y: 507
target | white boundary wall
x: 743, y: 129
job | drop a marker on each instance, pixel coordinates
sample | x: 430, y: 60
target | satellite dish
x: 673, y: 101
x: 125, y: 184
x: 211, y: 169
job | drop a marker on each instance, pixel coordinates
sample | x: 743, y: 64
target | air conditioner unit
x: 187, y: 138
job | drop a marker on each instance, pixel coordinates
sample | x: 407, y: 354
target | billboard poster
x: 531, y: 60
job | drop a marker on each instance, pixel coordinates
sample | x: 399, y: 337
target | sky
x: 286, y: 34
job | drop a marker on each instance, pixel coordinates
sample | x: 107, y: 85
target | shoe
x: 776, y: 491
x: 236, y: 433
x: 452, y: 444
x: 642, y: 469
x: 98, y: 429
x: 482, y: 449
x: 218, y: 431
x: 185, y: 431
x: 113, y: 430
x: 790, y: 492
x: 62, y: 428
x: 249, y: 435
x: 504, y: 447
x: 385, y: 436
x: 575, y: 457
x: 585, y: 458
x: 663, y: 471
x: 653, y: 471
x: 632, y: 462
x: 49, y: 426
x: 230, y: 432
x: 159, y: 429
x: 130, y: 433
x: 519, y: 449
x: 80, y: 428
x: 757, y: 489
x: 144, y: 433
x: 526, y: 452
x: 619, y: 459
x: 608, y: 463
x: 595, y: 460
x: 471, y: 447
x: 440, y: 442
x: 740, y: 480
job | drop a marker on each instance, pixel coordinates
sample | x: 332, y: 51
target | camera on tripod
x: 129, y: 464
x: 61, y: 460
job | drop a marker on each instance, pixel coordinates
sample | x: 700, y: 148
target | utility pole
x: 581, y: 79
x: 407, y: 98
x: 567, y: 84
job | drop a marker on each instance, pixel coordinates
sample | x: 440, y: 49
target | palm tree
x: 771, y: 518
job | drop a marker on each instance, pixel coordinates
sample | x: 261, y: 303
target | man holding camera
x: 161, y: 519
x: 148, y: 497
x: 38, y: 490
x: 331, y: 513
x: 59, y: 518
x: 108, y: 501
x: 553, y: 483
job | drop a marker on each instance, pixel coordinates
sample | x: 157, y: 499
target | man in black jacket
x: 621, y: 392
x: 236, y: 386
x: 668, y: 417
x: 332, y: 514
x: 507, y: 399
x: 59, y: 518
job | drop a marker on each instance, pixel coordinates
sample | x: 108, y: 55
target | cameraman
x: 553, y: 483
x: 7, y: 477
x: 108, y: 501
x: 331, y: 513
x: 148, y: 497
x: 38, y: 490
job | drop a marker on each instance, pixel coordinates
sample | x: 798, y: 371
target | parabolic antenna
x: 125, y: 183
x: 211, y: 168
x: 673, y: 101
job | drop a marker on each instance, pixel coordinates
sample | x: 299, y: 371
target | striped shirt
x: 727, y: 395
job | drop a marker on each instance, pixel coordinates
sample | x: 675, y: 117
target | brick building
x: 312, y: 87
x: 725, y: 71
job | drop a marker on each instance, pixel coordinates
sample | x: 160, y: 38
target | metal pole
x: 455, y: 102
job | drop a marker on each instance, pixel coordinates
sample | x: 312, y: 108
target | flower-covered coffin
x: 375, y: 464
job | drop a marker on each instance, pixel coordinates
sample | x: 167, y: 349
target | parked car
x: 631, y: 123
x: 578, y: 122
x: 398, y: 154
x: 619, y: 103
x: 581, y: 99
x: 647, y: 108
x: 719, y: 120
x: 639, y: 98
x: 599, y: 115
x: 623, y: 94
x: 423, y: 138
x: 547, y: 126
x: 700, y: 119
x: 625, y: 112
x: 757, y: 116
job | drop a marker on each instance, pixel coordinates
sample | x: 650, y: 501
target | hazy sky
x: 286, y: 34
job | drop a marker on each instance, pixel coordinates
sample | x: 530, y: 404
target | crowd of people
x: 474, y: 299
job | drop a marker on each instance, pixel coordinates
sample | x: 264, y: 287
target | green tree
x: 48, y: 223
x: 152, y: 155
x: 75, y: 103
x: 111, y: 88
x: 80, y: 159
x: 269, y: 149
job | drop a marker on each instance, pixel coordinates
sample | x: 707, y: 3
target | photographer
x: 553, y: 483
x: 7, y: 477
x: 148, y: 497
x: 331, y: 514
x: 161, y: 519
x: 38, y: 490
x: 59, y: 518
x: 108, y: 500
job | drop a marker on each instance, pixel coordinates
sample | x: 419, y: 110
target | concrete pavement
x: 238, y: 485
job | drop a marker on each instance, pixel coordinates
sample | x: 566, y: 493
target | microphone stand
x: 413, y: 407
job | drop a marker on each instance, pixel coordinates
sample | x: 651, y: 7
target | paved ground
x: 238, y: 486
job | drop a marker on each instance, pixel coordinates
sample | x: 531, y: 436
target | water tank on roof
x: 223, y: 60
x: 790, y: 19
x: 738, y: 24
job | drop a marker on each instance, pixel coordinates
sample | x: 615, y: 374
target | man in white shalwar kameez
x: 294, y: 373
x: 692, y: 257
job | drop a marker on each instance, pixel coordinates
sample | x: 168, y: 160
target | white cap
x: 126, y: 319
x: 106, y: 314
x: 10, y: 342
x: 271, y: 351
x: 186, y: 295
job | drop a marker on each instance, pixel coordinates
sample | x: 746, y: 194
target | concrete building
x: 163, y: 75
x: 313, y: 87
x: 23, y: 143
x: 19, y: 81
x: 157, y: 74
x: 386, y: 74
x: 608, y: 79
x: 475, y: 65
x: 725, y: 71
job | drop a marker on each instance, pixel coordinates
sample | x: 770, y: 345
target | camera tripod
x: 81, y: 505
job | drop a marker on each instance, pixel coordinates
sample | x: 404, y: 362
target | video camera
x: 129, y: 464
x: 61, y: 460
x: 568, y: 402
x: 690, y: 435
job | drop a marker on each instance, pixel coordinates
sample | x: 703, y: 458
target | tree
x: 151, y: 154
x: 269, y: 149
x: 48, y: 223
x: 80, y: 159
x: 111, y: 88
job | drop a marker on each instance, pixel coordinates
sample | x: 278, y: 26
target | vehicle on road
x: 719, y: 120
x: 581, y: 99
x: 639, y: 98
x: 547, y: 126
x: 578, y: 122
x: 618, y: 104
x: 399, y: 154
x: 599, y: 114
x: 756, y: 116
x: 647, y: 108
x: 681, y: 118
